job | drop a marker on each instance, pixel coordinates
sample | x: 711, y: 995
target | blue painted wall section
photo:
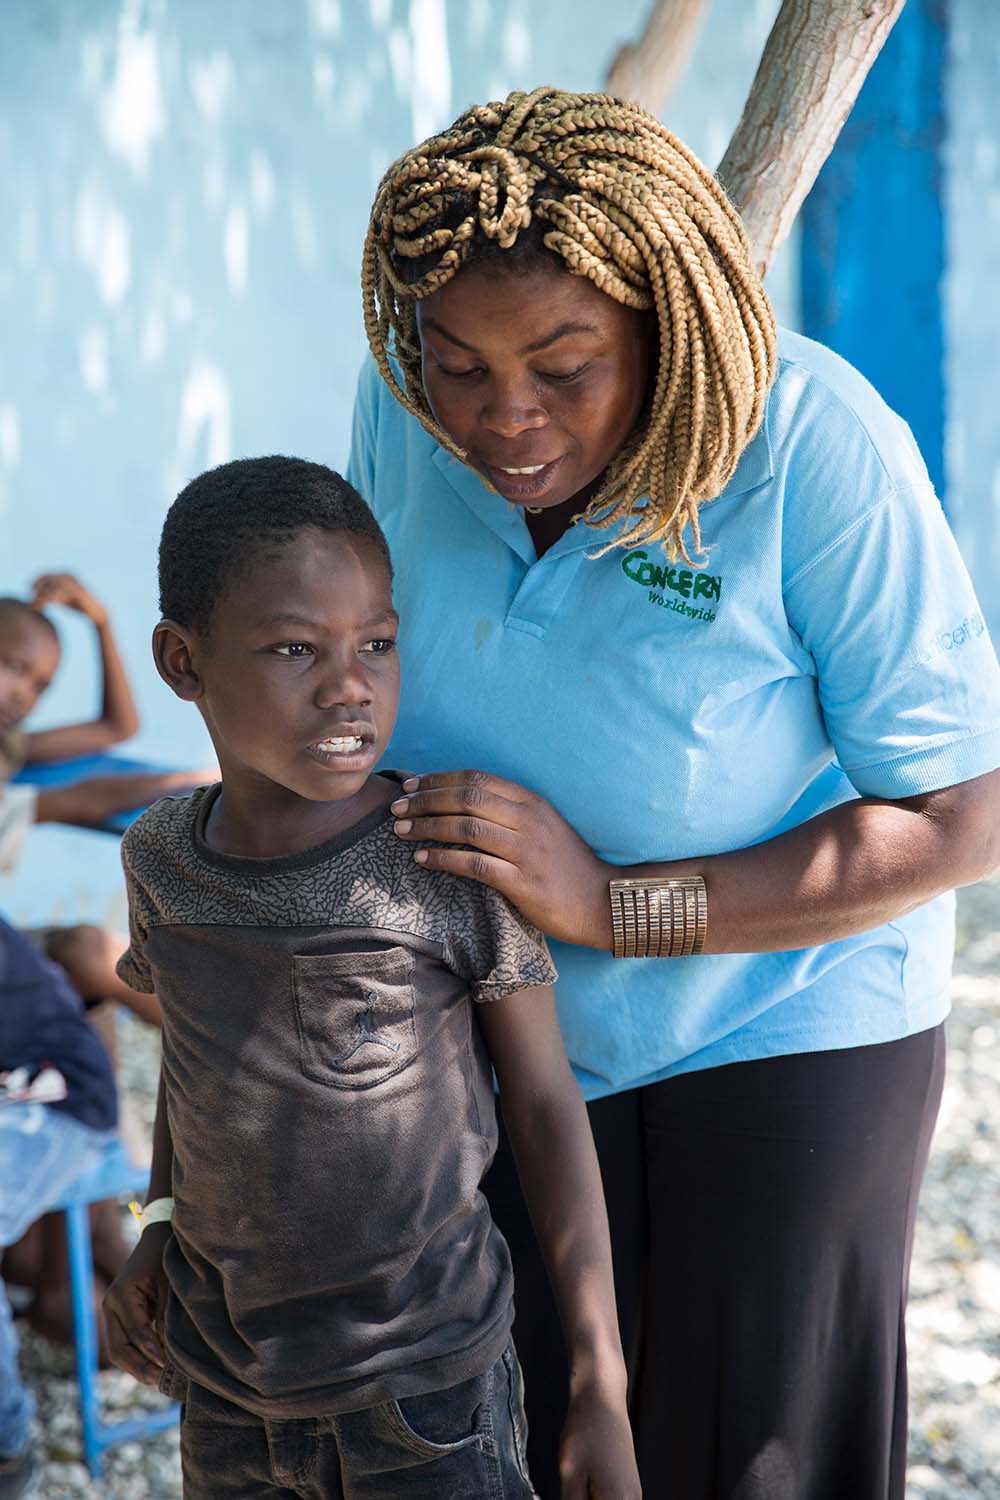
x: 873, y: 231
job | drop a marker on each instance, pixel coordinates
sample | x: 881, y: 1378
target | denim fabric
x: 463, y: 1443
x: 41, y: 1153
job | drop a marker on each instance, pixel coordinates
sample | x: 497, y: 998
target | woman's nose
x: 510, y: 410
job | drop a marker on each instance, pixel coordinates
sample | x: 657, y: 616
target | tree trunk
x: 817, y: 57
x: 647, y: 71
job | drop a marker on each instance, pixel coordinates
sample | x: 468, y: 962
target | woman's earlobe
x: 174, y: 657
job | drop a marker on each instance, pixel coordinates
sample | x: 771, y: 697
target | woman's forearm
x: 848, y: 870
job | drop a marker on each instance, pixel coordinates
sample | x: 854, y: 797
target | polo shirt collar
x: 505, y: 521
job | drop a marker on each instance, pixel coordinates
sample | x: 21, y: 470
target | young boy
x: 340, y: 1301
x: 29, y: 657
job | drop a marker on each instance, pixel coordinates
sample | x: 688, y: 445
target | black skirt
x: 762, y: 1223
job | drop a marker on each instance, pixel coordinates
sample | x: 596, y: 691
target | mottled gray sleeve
x: 492, y: 946
x: 133, y: 966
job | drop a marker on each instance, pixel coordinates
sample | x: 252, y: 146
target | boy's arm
x: 133, y: 1304
x: 547, y: 1123
x: 118, y: 719
x: 88, y: 804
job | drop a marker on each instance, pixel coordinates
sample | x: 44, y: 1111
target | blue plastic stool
x: 113, y: 1175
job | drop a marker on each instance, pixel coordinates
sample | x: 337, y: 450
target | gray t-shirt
x: 331, y: 1108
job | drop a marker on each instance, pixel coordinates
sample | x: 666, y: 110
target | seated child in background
x: 43, y: 1146
x: 29, y: 657
x: 340, y: 1301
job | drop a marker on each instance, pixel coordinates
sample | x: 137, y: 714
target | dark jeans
x: 762, y: 1221
x: 464, y: 1443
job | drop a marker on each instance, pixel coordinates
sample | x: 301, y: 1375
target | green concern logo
x: 662, y: 582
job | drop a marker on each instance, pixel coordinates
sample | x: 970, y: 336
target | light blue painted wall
x: 183, y: 194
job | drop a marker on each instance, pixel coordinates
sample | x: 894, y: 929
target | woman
x: 720, y: 641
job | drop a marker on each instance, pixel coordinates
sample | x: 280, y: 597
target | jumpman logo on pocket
x: 366, y: 1030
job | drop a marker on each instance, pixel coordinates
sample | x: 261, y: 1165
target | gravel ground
x: 954, y: 1318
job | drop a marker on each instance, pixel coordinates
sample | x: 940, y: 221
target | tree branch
x: 817, y: 57
x: 647, y: 71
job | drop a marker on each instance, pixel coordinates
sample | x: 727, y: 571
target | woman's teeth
x: 341, y: 746
x: 533, y: 469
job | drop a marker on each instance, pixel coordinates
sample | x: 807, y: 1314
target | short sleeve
x: 18, y: 807
x: 364, y: 426
x: 133, y: 966
x: 907, y: 676
x: 492, y: 946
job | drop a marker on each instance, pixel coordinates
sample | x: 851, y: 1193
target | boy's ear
x: 174, y: 657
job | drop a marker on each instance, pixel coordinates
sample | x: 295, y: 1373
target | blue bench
x: 111, y: 1178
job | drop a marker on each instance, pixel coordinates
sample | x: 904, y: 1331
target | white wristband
x: 160, y: 1211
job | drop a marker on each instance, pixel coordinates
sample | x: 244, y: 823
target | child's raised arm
x: 118, y: 719
x: 547, y: 1123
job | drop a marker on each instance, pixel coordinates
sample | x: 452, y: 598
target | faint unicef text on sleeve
x: 968, y: 629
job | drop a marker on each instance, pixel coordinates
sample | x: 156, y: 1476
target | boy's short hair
x: 12, y: 609
x: 222, y: 519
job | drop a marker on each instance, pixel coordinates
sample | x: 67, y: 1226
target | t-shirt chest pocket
x: 354, y: 1013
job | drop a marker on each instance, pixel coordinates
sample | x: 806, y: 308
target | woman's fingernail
x: 421, y: 856
x: 403, y: 825
x: 400, y: 805
x: 411, y: 783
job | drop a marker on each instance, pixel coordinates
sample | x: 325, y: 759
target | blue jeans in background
x: 42, y: 1151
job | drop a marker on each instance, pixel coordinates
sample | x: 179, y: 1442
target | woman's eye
x: 380, y: 647
x: 458, y: 374
x: 294, y: 649
x: 563, y: 377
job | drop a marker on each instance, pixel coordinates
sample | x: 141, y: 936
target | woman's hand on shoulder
x: 515, y: 841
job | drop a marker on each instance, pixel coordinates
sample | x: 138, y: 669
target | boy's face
x: 299, y: 672
x: 29, y: 656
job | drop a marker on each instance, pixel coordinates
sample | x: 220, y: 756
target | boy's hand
x: 596, y: 1454
x: 64, y: 588
x: 133, y: 1309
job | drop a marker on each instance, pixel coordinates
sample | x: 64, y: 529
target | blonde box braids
x: 628, y: 206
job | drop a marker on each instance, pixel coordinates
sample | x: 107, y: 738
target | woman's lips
x: 523, y: 482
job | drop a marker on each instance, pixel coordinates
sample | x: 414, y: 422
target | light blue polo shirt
x: 832, y: 646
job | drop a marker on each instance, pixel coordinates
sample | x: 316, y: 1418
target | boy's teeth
x: 532, y: 469
x: 346, y: 742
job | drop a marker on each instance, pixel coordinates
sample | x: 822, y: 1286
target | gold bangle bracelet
x: 658, y: 918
